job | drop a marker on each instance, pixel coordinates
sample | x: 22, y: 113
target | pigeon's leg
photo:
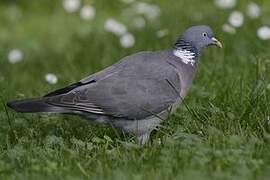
x: 143, y: 138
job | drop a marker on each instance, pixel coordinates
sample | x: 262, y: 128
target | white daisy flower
x: 236, y: 19
x: 225, y: 4
x: 71, y: 5
x: 228, y: 29
x: 15, y: 56
x: 127, y: 40
x: 253, y: 10
x: 51, y: 78
x: 114, y: 26
x: 264, y: 33
x: 161, y: 33
x: 88, y: 12
x: 139, y: 22
x: 151, y: 11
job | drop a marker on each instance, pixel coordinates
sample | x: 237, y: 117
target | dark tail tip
x: 10, y: 104
x: 31, y: 105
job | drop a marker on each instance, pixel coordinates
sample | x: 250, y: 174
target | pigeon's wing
x: 105, y: 73
x: 138, y: 88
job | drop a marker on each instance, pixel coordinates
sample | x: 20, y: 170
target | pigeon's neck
x: 186, y: 52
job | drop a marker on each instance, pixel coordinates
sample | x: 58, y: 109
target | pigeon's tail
x: 34, y: 105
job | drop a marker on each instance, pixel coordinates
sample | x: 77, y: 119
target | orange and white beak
x: 217, y: 42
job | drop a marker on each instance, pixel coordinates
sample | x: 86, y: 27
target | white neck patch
x: 186, y: 56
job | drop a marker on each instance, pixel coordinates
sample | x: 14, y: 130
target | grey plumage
x: 136, y: 93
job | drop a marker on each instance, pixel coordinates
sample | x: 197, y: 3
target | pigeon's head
x: 200, y: 37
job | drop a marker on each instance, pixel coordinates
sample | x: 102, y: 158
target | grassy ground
x: 223, y: 132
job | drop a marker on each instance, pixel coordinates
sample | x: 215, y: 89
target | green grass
x: 223, y: 132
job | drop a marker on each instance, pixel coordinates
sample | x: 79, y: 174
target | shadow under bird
x: 134, y: 95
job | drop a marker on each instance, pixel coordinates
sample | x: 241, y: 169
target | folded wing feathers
x: 89, y: 107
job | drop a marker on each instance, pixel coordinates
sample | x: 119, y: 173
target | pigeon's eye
x: 204, y: 34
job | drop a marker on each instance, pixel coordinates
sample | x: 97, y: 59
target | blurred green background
x: 223, y: 132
